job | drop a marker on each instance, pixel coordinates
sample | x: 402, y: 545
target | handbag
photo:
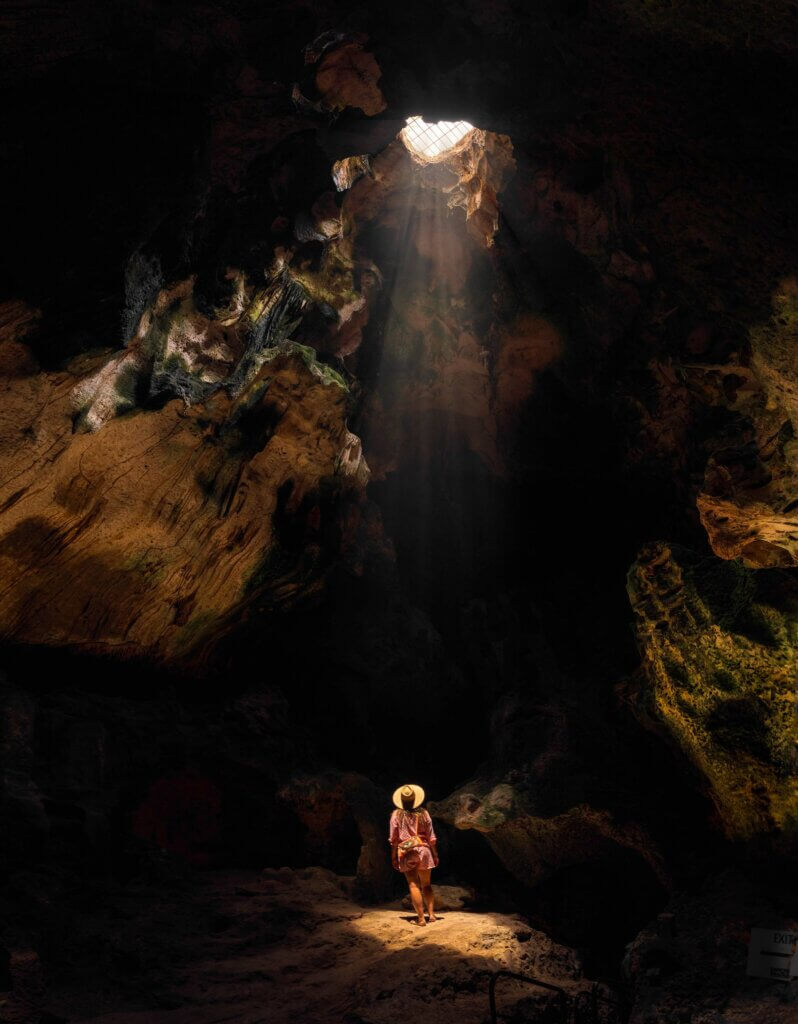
x: 408, y: 853
x: 406, y: 846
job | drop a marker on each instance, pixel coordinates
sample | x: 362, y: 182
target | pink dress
x: 405, y: 824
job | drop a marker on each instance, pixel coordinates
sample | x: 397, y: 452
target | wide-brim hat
x: 418, y: 795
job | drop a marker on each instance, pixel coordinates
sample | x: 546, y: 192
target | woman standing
x: 414, y: 847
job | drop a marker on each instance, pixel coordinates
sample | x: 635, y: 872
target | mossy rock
x: 720, y: 656
x: 326, y: 374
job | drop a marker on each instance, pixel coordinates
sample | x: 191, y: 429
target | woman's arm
x: 433, y: 839
x: 393, y: 839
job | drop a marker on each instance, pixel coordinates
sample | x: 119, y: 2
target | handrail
x: 582, y: 1006
x: 562, y: 995
x: 618, y: 998
x: 589, y: 1000
x: 585, y: 1004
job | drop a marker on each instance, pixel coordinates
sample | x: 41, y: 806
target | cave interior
x: 334, y: 457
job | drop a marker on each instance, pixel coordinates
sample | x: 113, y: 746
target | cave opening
x: 433, y: 140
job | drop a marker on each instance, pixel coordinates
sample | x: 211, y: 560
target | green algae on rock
x: 326, y: 374
x: 719, y: 647
x: 180, y: 351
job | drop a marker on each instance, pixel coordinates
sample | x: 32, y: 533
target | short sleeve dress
x: 405, y: 824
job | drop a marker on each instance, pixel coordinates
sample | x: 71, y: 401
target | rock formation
x: 119, y: 540
x: 720, y: 661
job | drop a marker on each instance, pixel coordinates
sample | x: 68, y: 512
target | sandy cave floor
x: 291, y: 946
x: 280, y: 946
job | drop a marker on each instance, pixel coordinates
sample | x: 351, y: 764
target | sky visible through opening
x: 433, y: 140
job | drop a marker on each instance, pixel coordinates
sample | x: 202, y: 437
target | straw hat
x: 417, y: 792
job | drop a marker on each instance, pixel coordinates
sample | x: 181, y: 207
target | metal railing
x: 587, y: 1007
x: 583, y: 1008
x: 563, y: 1002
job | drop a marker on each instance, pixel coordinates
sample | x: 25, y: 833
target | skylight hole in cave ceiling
x: 431, y: 141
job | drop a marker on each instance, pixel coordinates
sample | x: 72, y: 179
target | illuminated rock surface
x: 750, y: 502
x: 533, y: 848
x: 720, y: 663
x: 347, y: 77
x: 120, y: 539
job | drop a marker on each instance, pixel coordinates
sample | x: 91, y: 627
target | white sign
x: 773, y: 954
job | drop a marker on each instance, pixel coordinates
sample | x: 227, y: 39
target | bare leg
x: 429, y: 895
x: 415, y: 895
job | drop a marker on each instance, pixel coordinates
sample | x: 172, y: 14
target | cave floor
x: 279, y: 946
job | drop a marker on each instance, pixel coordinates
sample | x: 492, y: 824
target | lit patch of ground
x: 291, y: 946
